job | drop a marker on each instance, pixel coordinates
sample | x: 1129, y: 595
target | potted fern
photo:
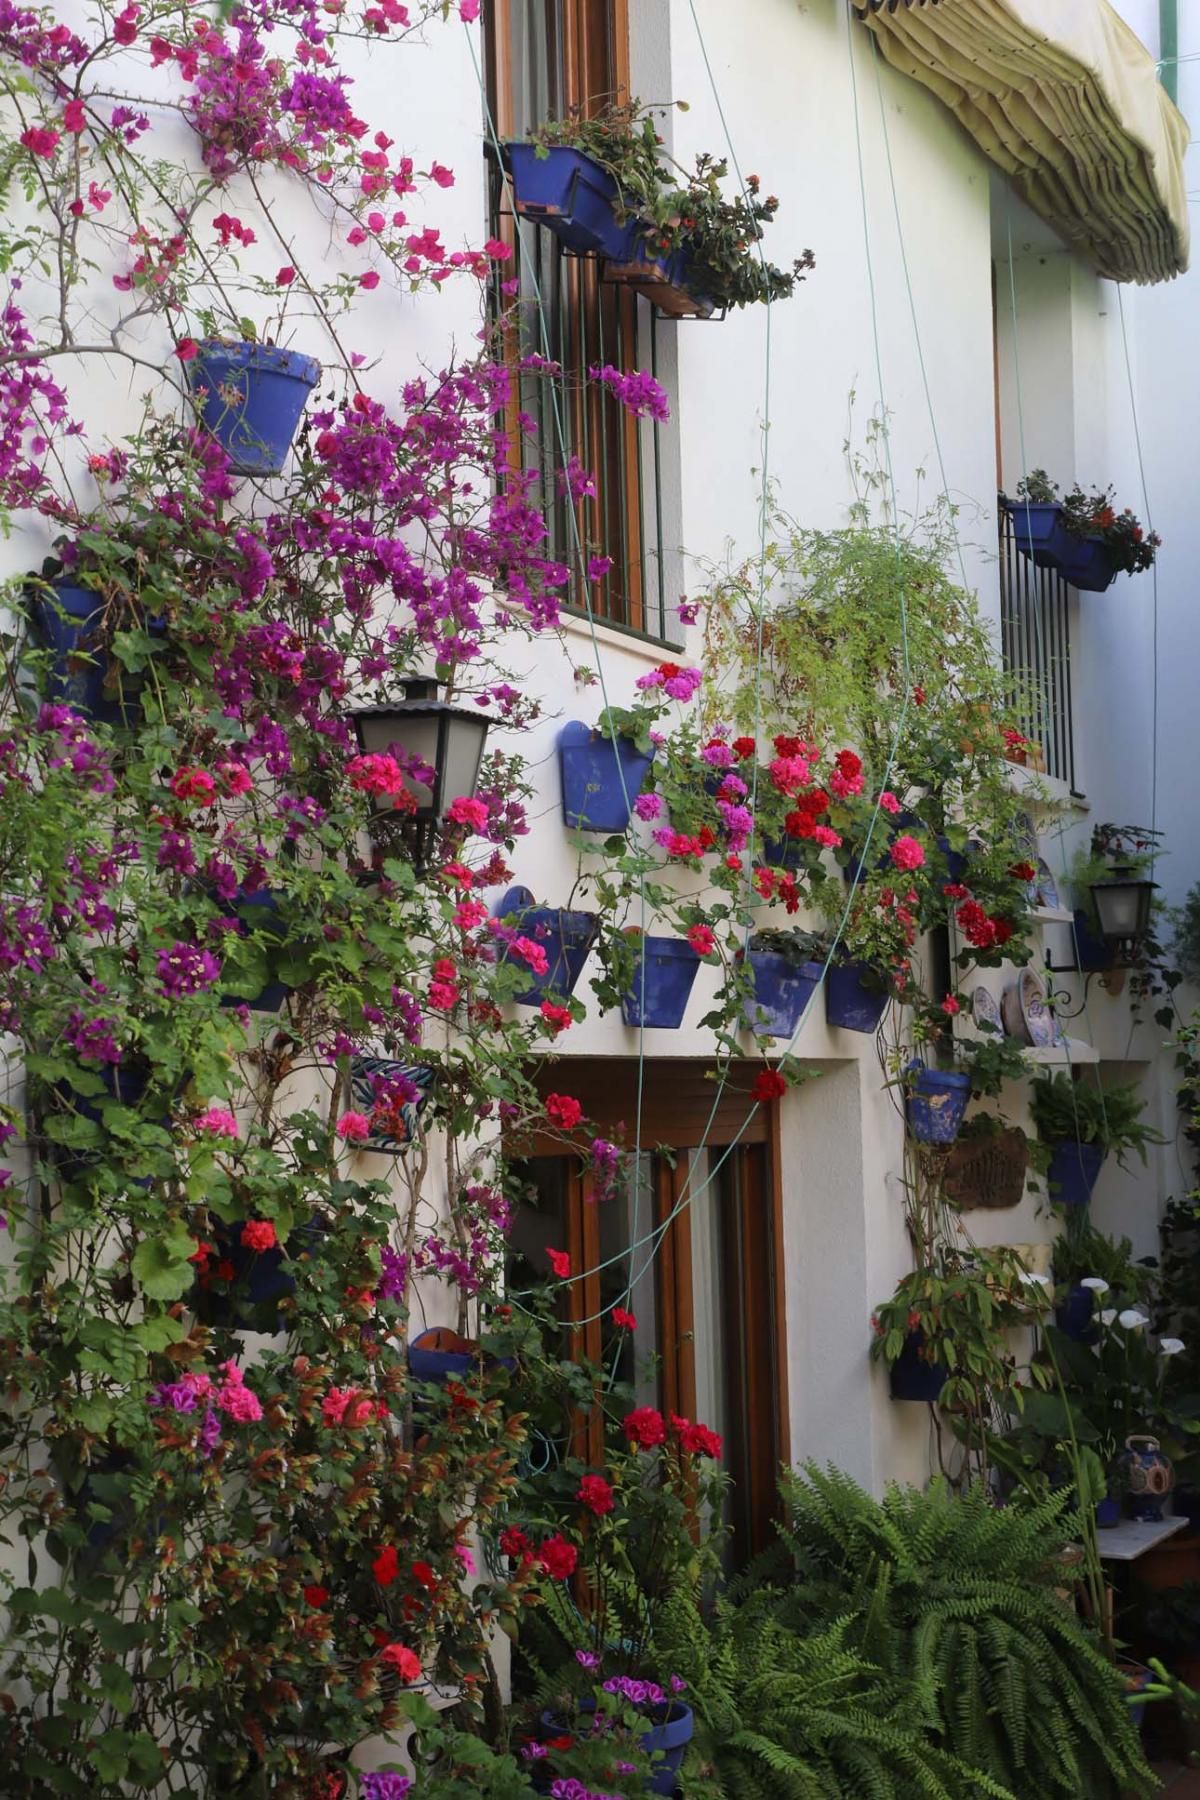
x: 1081, y: 1124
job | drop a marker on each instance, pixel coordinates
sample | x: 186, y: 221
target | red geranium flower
x: 564, y: 1110
x: 558, y: 1558
x: 316, y: 1595
x: 644, y: 1427
x: 514, y: 1543
x: 386, y: 1566
x: 596, y: 1494
x: 769, y: 1085
x: 560, y: 1262
x: 404, y: 1661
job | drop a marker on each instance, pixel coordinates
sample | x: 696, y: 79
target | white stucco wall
x: 783, y: 74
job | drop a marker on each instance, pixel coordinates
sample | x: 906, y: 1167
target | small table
x: 1133, y: 1537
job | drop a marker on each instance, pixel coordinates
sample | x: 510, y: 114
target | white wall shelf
x: 1063, y: 1055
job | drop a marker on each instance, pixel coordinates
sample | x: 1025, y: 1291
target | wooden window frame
x: 602, y: 433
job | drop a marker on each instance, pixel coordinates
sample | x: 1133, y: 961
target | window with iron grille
x: 1035, y: 630
x: 545, y: 57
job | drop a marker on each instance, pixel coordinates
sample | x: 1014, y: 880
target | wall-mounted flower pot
x: 261, y: 1278
x: 987, y: 1171
x: 783, y: 853
x: 257, y: 910
x: 124, y: 1082
x: 936, y: 1103
x: 855, y: 999
x: 251, y: 397
x: 663, y: 976
x: 1137, y: 1679
x: 663, y: 280
x: 1039, y: 531
x: 1073, y: 1315
x: 1089, y: 565
x: 440, y: 1354
x: 782, y: 991
x: 1108, y: 1512
x: 1092, y: 953
x: 667, y: 1734
x: 1074, y: 1171
x: 565, y: 936
x: 69, y: 626
x: 601, y: 777
x: 912, y: 1376
x: 573, y: 196
x: 367, y: 1073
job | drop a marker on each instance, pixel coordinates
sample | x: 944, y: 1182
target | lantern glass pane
x: 1117, y: 905
x: 464, y: 753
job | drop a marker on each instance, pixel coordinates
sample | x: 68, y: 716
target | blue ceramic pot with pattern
x: 1148, y: 1477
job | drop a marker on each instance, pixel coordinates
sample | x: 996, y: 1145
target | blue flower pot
x: 1108, y: 1512
x: 1074, y: 1171
x: 663, y: 279
x: 912, y: 1376
x: 80, y: 663
x: 257, y: 909
x: 936, y: 1104
x: 439, y: 1354
x: 852, y: 1003
x: 783, y: 853
x: 668, y: 1732
x: 262, y: 1278
x: 1137, y: 1680
x: 573, y: 196
x: 1039, y: 531
x: 250, y: 397
x: 1089, y: 565
x: 782, y: 991
x: 1073, y: 1316
x: 565, y: 936
x: 601, y: 778
x: 1148, y: 1475
x: 662, y: 984
x: 1092, y: 953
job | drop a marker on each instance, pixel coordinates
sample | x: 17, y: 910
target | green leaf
x: 161, y: 1263
x: 155, y: 1334
x: 116, y: 1684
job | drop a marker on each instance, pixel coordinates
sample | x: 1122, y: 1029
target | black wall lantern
x: 449, y: 739
x: 1123, y: 901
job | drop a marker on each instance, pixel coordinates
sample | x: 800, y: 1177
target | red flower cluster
x: 644, y: 1427
x: 596, y: 1494
x: 697, y: 1439
x: 563, y: 1110
x: 981, y: 930
x: 558, y: 1558
x: 769, y: 1085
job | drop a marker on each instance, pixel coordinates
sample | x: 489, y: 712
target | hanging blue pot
x: 1039, y: 531
x: 251, y: 397
x: 663, y: 976
x: 1074, y: 1171
x: 782, y: 991
x: 1089, y: 565
x: 664, y: 279
x: 441, y: 1355
x: 261, y: 1278
x: 783, y: 853
x: 601, y: 777
x: 936, y: 1104
x: 855, y: 999
x: 257, y: 909
x: 666, y: 1736
x: 574, y: 197
x: 912, y: 1376
x: 565, y: 936
x: 69, y: 626
x: 1073, y: 1316
x: 1092, y: 953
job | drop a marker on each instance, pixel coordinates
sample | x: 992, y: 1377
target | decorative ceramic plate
x: 1013, y: 1016
x: 1041, y: 1027
x: 371, y: 1077
x: 985, y: 1010
x: 1047, y: 890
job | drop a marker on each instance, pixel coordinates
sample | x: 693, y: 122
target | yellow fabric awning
x: 1065, y: 98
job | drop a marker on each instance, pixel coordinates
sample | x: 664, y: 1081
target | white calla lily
x: 1096, y: 1283
x: 1108, y: 1315
x: 1132, y: 1319
x: 1170, y: 1346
